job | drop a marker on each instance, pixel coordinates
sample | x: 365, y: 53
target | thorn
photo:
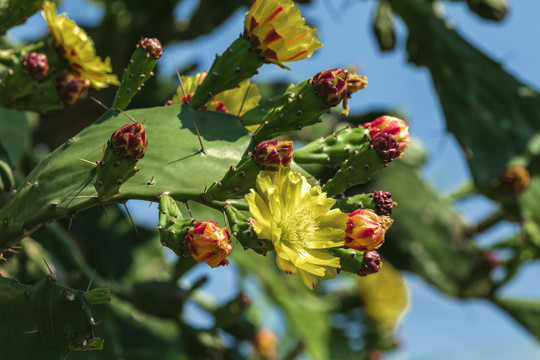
x: 87, y: 161
x: 33, y: 332
x: 105, y: 211
x: 130, y: 218
x: 91, y: 279
x: 48, y: 267
x: 151, y: 181
x: 199, y: 136
x: 188, y: 209
x: 181, y: 84
x: 126, y: 114
x: 83, y: 197
x: 100, y: 103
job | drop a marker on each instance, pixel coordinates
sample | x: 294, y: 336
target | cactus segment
x: 383, y: 26
x: 172, y: 226
x: 98, y: 295
x: 236, y: 182
x: 358, y: 169
x: 495, y: 10
x: 353, y: 203
x: 112, y: 171
x: 302, y: 107
x: 7, y: 181
x: 46, y: 319
x: 350, y: 260
x: 256, y: 116
x: 15, y: 12
x: 242, y: 229
x: 238, y: 63
x: 136, y: 74
x: 334, y: 149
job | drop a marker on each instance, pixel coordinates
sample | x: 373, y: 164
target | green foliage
x: 46, y: 319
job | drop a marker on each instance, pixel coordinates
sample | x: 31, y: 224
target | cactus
x: 45, y: 318
x: 243, y: 231
x: 15, y: 12
x: 140, y: 69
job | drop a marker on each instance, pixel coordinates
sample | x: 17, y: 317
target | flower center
x: 299, y: 227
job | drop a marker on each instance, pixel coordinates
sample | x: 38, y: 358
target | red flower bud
x: 71, y: 87
x: 130, y: 141
x: 269, y: 155
x: 366, y: 230
x: 36, y: 64
x: 372, y: 263
x: 514, y: 180
x: 383, y: 202
x: 209, y: 243
x: 386, y: 146
x: 396, y: 128
x: 152, y: 46
x: 331, y: 85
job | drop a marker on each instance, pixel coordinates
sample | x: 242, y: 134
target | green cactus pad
x: 61, y: 184
x: 353, y: 203
x: 46, y: 319
x: 358, y: 169
x: 15, y: 12
x: 136, y: 74
x: 172, y: 226
x: 334, y: 149
x: 236, y: 182
x: 112, y: 172
x: 243, y: 230
x: 238, y: 63
x: 302, y: 108
x: 350, y: 260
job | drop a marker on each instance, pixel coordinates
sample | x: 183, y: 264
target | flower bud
x: 397, y: 128
x: 152, y: 46
x: 366, y: 230
x: 514, y: 180
x: 130, y: 141
x: 209, y: 243
x: 331, y: 85
x: 266, y: 344
x: 372, y: 263
x: 71, y: 87
x: 383, y: 202
x: 36, y: 64
x: 490, y: 259
x: 269, y: 155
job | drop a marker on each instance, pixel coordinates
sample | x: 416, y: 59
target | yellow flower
x: 297, y: 219
x: 231, y: 101
x: 77, y: 48
x: 276, y: 28
x: 385, y: 296
x: 190, y: 84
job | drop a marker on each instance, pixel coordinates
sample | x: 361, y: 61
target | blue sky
x: 435, y: 327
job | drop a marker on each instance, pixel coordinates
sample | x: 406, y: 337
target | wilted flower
x: 383, y: 202
x: 277, y: 30
x: 209, y: 243
x: 272, y: 154
x: 372, y: 263
x: 394, y: 127
x: 331, y: 85
x: 36, y: 64
x: 152, y: 46
x: 266, y: 344
x: 298, y: 219
x: 514, y: 180
x: 130, y: 141
x: 366, y: 230
x: 77, y: 48
x: 71, y: 87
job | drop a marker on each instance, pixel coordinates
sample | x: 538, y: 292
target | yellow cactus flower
x: 77, y: 48
x: 276, y: 28
x: 235, y: 100
x: 385, y: 296
x: 298, y: 219
x: 190, y: 84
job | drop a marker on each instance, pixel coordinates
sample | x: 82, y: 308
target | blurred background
x: 413, y: 60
